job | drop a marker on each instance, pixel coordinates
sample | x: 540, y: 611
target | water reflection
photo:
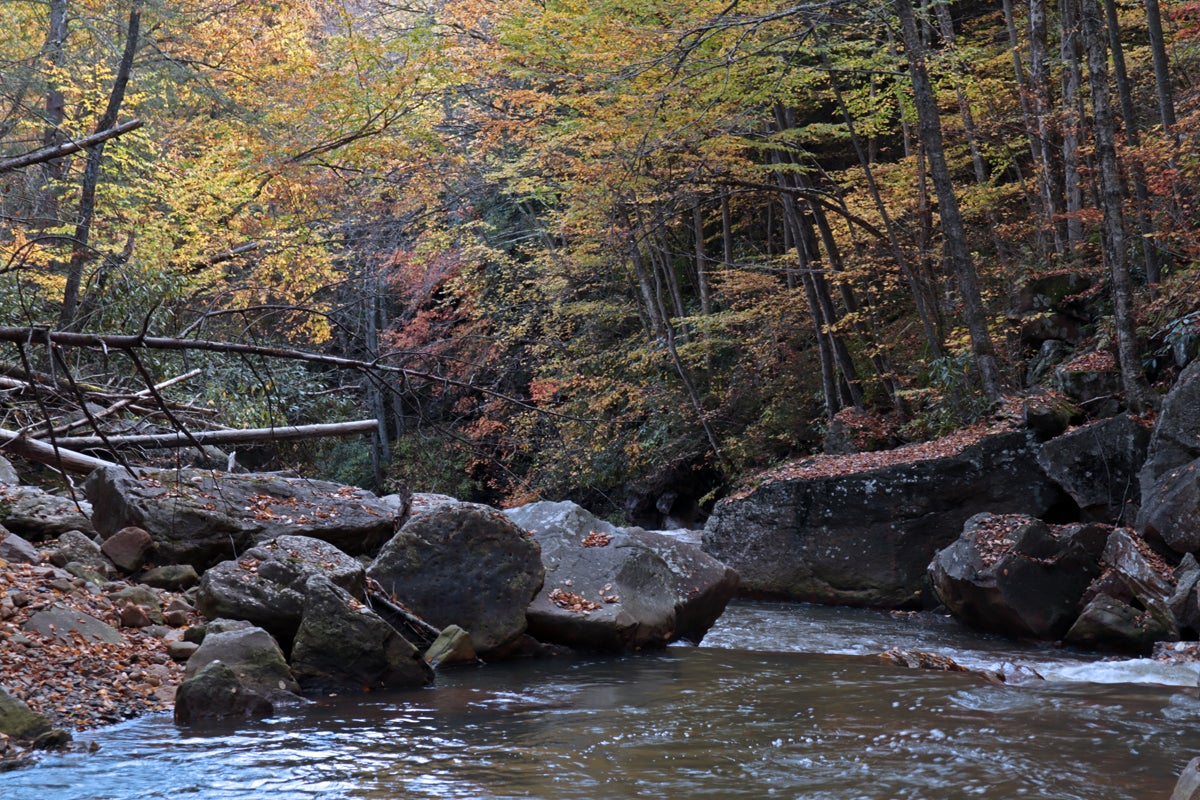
x: 690, y: 722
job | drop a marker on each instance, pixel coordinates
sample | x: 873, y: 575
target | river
x: 781, y: 701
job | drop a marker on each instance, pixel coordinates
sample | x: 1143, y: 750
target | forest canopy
x: 569, y: 249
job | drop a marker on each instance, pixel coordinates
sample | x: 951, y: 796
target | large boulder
x: 1097, y: 465
x: 254, y: 657
x: 201, y: 517
x: 265, y: 585
x: 1176, y: 439
x: 1017, y: 575
x: 861, y: 530
x: 216, y: 693
x: 36, y: 514
x: 1128, y: 607
x: 464, y: 565
x: 342, y: 645
x: 610, y: 588
x: 1171, y: 509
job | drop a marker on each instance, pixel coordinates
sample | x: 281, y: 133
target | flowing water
x: 781, y: 701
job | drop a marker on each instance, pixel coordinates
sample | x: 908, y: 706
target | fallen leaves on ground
x: 79, y: 684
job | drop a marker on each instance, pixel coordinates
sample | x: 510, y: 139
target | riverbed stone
x: 1016, y: 575
x: 16, y: 550
x: 464, y: 565
x: 865, y: 536
x: 452, y: 647
x: 1107, y: 623
x: 605, y: 589
x: 1097, y: 465
x: 74, y: 546
x: 255, y: 658
x: 172, y: 577
x: 201, y: 517
x: 344, y: 646
x: 62, y: 622
x: 20, y: 721
x: 265, y: 585
x: 128, y: 548
x: 215, y: 693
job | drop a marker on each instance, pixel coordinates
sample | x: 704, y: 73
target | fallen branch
x: 277, y: 434
x: 117, y: 406
x: 47, y: 337
x: 43, y: 154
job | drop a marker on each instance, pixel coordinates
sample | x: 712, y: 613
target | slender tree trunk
x: 1032, y: 139
x: 56, y: 106
x: 954, y: 236
x: 1147, y: 240
x: 1162, y: 72
x: 81, y: 252
x: 1133, y: 379
x: 1072, y: 190
x: 1039, y: 85
x: 923, y: 295
x: 946, y: 24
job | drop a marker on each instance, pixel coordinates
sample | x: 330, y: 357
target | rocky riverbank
x: 222, y: 595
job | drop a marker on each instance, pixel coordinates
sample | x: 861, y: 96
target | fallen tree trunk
x: 276, y: 434
x: 46, y: 453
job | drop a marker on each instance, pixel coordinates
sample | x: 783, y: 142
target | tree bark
x: 1071, y: 116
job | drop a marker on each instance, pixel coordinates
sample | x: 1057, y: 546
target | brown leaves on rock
x: 1006, y: 419
x: 573, y: 602
x: 596, y: 539
x: 920, y: 659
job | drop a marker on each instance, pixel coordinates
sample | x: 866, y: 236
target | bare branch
x: 43, y: 154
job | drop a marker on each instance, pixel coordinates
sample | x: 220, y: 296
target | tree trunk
x: 1031, y: 138
x: 1162, y: 72
x: 80, y: 252
x: 1072, y: 191
x: 922, y: 293
x: 1039, y: 85
x: 1133, y: 379
x: 954, y: 236
x: 1147, y: 239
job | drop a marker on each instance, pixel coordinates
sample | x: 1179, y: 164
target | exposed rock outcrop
x: 1171, y: 509
x: 1097, y: 465
x: 200, y: 517
x: 1176, y: 438
x: 864, y: 536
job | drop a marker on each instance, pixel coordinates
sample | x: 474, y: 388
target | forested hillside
x: 597, y: 249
